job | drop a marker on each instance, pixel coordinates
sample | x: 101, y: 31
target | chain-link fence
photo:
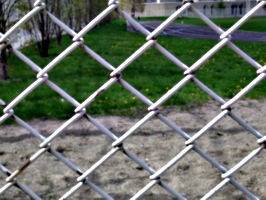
x: 190, y: 145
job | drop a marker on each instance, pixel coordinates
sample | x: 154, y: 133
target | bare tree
x: 74, y: 13
x: 133, y: 5
x: 78, y: 13
x: 41, y: 27
x: 60, y: 9
x: 7, y: 13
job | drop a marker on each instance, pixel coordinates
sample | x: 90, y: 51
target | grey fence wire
x: 83, y: 179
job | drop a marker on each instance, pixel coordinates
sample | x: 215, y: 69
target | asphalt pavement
x: 192, y: 31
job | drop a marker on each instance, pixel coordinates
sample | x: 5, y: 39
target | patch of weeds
x: 49, y: 192
x: 46, y: 181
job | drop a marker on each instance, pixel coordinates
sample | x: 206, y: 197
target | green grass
x: 152, y: 74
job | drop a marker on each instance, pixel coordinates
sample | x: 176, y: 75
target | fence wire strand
x: 153, y: 107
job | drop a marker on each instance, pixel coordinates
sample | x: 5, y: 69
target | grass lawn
x: 152, y: 74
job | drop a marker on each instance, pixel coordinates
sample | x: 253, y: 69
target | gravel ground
x: 155, y: 143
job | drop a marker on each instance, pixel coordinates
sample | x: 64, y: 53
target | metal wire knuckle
x: 118, y: 144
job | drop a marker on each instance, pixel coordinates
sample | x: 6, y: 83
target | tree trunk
x: 133, y: 10
x: 45, y: 38
x: 4, y: 64
x: 90, y: 10
x: 59, y: 39
x: 45, y: 46
x: 3, y: 57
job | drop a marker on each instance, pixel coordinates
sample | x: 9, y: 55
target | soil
x: 154, y: 143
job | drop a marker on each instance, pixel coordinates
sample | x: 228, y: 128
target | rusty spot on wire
x: 99, y: 92
x: 24, y: 166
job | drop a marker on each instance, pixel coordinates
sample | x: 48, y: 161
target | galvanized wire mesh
x: 83, y: 179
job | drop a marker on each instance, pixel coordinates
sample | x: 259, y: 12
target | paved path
x: 191, y: 31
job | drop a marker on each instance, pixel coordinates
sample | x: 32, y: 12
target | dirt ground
x: 155, y: 143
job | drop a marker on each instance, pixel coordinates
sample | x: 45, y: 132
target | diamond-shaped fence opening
x: 118, y: 148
